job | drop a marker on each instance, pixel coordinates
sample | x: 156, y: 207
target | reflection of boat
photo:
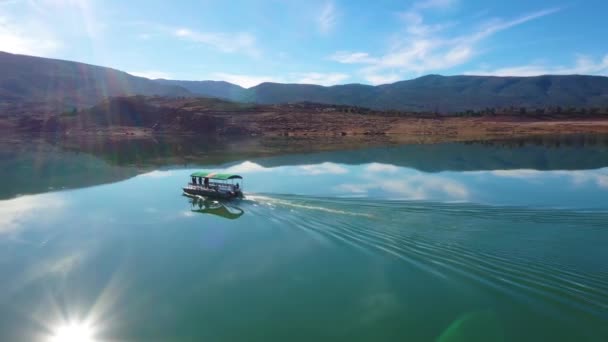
x: 213, y: 207
x: 212, y: 184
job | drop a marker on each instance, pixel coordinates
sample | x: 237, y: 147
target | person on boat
x: 237, y: 187
x: 206, y: 182
x: 194, y: 180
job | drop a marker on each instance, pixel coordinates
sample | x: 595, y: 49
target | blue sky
x: 316, y: 41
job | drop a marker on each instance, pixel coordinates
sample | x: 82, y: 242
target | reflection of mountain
x: 36, y: 166
x: 165, y: 150
x: 217, y: 208
x: 31, y: 167
x: 544, y: 153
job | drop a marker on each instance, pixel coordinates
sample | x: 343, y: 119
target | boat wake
x: 284, y: 202
x: 517, y: 252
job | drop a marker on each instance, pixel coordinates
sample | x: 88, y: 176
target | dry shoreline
x: 139, y: 116
x: 400, y: 130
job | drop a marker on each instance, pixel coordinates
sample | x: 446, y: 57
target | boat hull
x: 208, y: 192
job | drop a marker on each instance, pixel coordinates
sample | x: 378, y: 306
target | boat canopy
x: 215, y: 175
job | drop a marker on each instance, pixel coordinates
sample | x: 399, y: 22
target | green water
x: 448, y: 242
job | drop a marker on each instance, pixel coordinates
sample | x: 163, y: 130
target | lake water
x: 504, y: 241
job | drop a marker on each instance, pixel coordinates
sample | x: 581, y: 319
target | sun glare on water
x: 73, y: 332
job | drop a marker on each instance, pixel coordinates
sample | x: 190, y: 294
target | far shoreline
x: 403, y: 131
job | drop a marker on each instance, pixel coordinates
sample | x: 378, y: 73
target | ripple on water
x: 444, y: 240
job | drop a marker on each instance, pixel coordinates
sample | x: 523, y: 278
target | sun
x: 73, y: 332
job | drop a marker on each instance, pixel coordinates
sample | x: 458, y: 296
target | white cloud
x: 246, y: 81
x: 378, y: 78
x: 322, y: 169
x: 583, y: 65
x: 26, y: 38
x: 423, y: 48
x: 325, y: 79
x: 152, y: 74
x: 327, y: 17
x: 242, y: 42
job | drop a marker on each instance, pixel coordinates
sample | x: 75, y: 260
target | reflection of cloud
x: 378, y: 167
x: 157, y: 174
x: 416, y: 187
x: 578, y: 177
x: 323, y: 168
x: 187, y: 213
x: 602, y: 181
x: 14, y: 212
x: 523, y: 173
x: 354, y: 188
x: 60, y: 266
x: 247, y: 167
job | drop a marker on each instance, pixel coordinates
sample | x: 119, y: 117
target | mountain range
x: 35, y: 79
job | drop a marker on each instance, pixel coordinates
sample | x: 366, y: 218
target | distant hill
x: 220, y: 89
x: 36, y: 79
x: 60, y: 84
x: 427, y: 93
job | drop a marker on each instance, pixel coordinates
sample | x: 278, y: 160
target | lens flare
x: 73, y: 332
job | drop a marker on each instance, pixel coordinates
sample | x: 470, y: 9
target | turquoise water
x: 449, y: 242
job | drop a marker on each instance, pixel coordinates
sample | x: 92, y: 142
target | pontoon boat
x: 213, y: 184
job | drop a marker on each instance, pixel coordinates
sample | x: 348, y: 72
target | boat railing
x: 215, y: 186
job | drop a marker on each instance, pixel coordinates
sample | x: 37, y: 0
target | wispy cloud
x: 243, y: 42
x: 346, y: 57
x: 327, y: 18
x: 422, y: 47
x: 152, y: 74
x: 501, y: 25
x: 583, y: 65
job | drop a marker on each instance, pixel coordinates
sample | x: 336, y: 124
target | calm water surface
x: 447, y: 242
